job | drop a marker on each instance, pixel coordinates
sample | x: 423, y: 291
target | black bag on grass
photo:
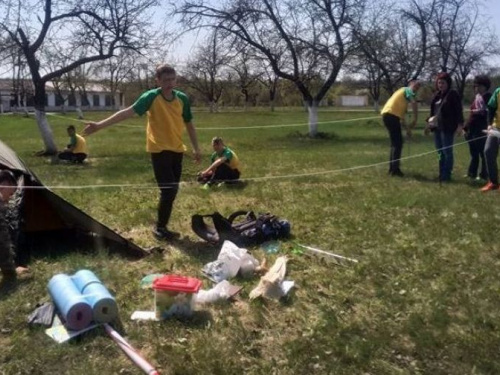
x: 243, y: 228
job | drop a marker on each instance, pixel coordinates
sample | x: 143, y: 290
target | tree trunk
x: 272, y: 96
x: 272, y: 105
x: 312, y: 109
x: 211, y: 105
x: 25, y: 106
x: 376, y: 105
x: 46, y: 132
x: 80, y: 113
x: 41, y: 118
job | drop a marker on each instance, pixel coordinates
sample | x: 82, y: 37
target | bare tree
x: 394, y: 50
x: 268, y: 79
x: 462, y: 39
x: 114, y: 71
x: 204, y: 71
x: 313, y: 37
x: 242, y: 62
x: 93, y: 29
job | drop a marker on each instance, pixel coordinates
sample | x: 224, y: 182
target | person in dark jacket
x: 446, y: 120
x: 8, y: 186
x: 475, y: 126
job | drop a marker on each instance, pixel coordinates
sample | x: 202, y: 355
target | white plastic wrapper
x: 217, y: 293
x: 231, y: 258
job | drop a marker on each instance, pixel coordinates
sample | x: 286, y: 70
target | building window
x: 95, y: 100
x: 59, y: 100
x: 108, y: 100
x: 71, y: 100
x: 85, y: 100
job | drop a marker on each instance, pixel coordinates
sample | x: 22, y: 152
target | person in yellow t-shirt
x: 168, y: 113
x: 76, y: 150
x: 224, y: 165
x: 393, y: 115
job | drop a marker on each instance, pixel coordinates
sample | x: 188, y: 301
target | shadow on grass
x: 435, y: 180
x: 422, y: 178
x: 53, y: 244
x: 334, y: 138
x: 198, y: 249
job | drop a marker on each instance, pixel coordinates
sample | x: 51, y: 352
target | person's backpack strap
x: 200, y: 227
x: 225, y: 229
x: 247, y: 222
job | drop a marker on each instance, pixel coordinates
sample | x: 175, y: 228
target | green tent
x: 45, y: 220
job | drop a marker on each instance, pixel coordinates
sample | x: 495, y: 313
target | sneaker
x: 205, y: 186
x: 489, y: 186
x: 165, y: 234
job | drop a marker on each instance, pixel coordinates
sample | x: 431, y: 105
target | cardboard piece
x: 59, y: 333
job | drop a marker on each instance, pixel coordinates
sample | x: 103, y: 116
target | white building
x: 353, y: 100
x: 98, y: 97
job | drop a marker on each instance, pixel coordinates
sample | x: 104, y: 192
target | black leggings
x: 75, y: 158
x: 477, y: 141
x: 393, y: 125
x: 225, y: 173
x: 167, y: 167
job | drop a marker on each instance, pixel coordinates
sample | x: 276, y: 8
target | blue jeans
x: 491, y: 153
x: 444, y: 144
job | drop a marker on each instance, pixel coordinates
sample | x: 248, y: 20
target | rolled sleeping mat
x: 72, y: 305
x: 104, y: 307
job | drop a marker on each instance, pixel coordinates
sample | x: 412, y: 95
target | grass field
x: 423, y: 299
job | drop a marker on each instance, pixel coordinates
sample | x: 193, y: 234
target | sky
x: 492, y: 8
x: 187, y: 45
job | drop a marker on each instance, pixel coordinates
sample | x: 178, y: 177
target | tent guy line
x: 270, y: 126
x: 264, y: 178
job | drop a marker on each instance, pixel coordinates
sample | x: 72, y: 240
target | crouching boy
x: 224, y: 167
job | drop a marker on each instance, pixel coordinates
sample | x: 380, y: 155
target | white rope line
x: 238, y: 127
x: 263, y: 178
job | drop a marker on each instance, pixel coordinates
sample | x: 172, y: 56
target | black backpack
x: 243, y: 228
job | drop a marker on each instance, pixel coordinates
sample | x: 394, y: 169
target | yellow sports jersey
x: 80, y: 146
x: 397, y: 104
x: 231, y: 158
x: 166, y: 119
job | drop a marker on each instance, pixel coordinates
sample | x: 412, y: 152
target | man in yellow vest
x: 168, y: 113
x: 393, y: 115
x: 76, y: 151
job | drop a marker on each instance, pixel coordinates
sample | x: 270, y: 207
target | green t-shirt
x: 494, y: 114
x: 231, y: 157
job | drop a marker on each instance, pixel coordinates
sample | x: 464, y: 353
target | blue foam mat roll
x: 73, y: 306
x: 103, y: 304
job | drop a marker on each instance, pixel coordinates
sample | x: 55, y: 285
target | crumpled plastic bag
x: 217, y: 293
x: 231, y: 258
x: 272, y: 284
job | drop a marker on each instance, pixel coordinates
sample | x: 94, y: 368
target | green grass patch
x: 423, y: 298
